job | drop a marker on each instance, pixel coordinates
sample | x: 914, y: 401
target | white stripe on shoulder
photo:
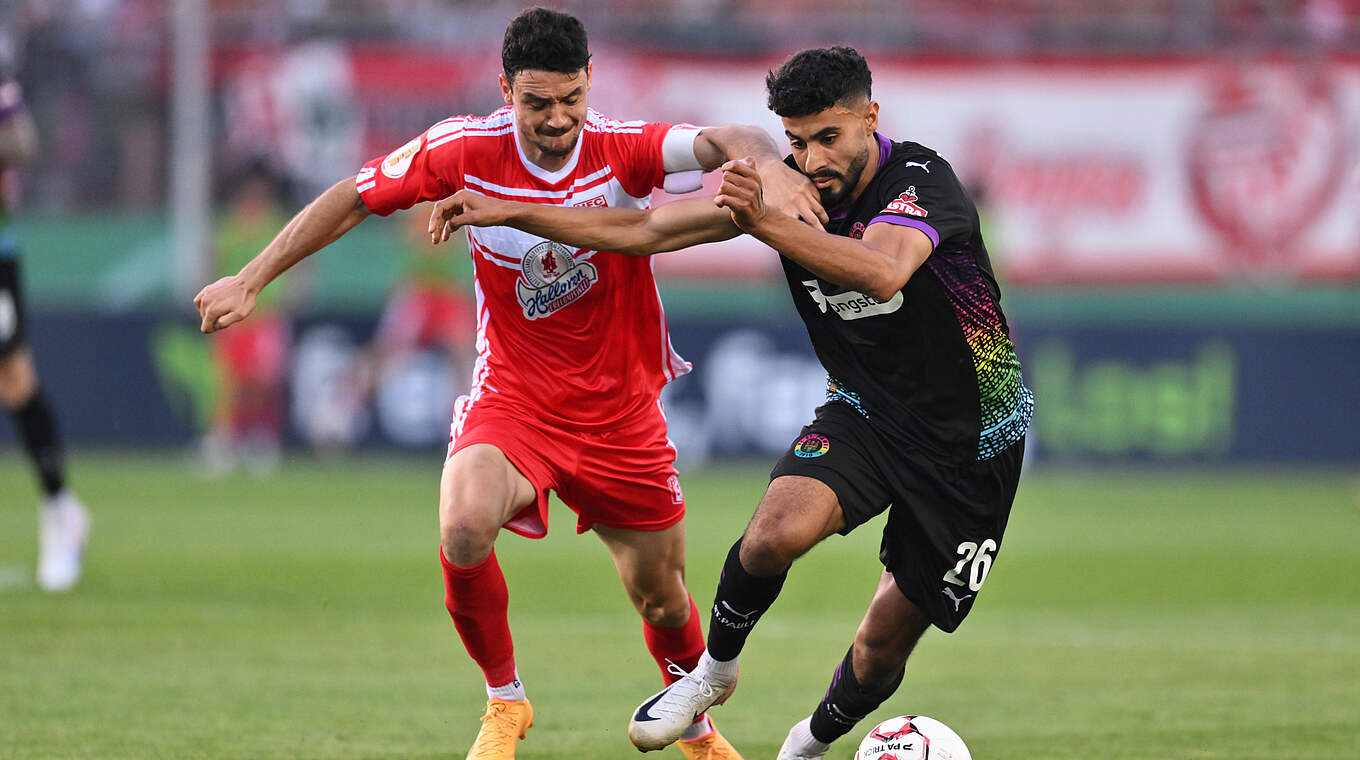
x: 446, y: 127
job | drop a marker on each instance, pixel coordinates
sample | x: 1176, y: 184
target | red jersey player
x: 572, y: 348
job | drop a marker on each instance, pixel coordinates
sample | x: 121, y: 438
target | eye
x: 828, y: 139
x: 797, y: 144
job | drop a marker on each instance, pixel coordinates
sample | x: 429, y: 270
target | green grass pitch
x: 1131, y: 614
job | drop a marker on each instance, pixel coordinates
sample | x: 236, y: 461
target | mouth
x: 823, y: 183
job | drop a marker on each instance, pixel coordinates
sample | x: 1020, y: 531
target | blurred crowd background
x: 1170, y: 190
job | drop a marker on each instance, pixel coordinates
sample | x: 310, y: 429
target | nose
x: 816, y: 159
x: 558, y: 117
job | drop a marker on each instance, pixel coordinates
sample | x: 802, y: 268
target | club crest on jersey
x: 906, y: 204
x: 551, y: 280
x: 673, y: 483
x: 851, y: 304
x: 811, y: 445
x: 399, y: 160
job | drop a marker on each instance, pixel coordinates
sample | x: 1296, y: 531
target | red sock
x: 477, y: 600
x: 681, y: 646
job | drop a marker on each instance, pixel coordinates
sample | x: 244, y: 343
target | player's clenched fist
x: 740, y: 194
x: 224, y: 303
x: 465, y: 208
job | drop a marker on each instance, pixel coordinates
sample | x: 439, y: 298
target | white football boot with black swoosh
x: 659, y: 721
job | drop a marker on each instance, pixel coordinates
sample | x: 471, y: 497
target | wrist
x: 764, y: 225
x: 250, y: 280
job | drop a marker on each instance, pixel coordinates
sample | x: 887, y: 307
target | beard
x: 555, y: 151
x: 832, y: 197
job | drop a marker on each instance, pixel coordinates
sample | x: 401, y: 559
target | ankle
x: 724, y: 670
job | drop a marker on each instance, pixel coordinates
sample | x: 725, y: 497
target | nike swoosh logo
x: 643, y: 715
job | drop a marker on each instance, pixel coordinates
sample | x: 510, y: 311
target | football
x: 912, y: 737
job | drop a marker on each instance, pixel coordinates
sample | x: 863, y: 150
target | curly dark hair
x: 813, y: 80
x: 544, y: 40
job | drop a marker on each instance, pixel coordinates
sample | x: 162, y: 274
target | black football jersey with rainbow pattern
x: 935, y: 365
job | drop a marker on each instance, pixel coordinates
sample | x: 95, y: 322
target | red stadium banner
x: 1096, y: 170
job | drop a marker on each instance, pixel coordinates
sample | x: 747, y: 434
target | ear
x: 505, y: 89
x: 590, y: 72
x: 871, y: 118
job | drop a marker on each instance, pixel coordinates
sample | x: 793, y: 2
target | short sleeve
x: 925, y: 194
x: 634, y: 151
x: 425, y: 169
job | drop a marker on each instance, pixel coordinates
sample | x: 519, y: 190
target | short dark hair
x: 544, y: 40
x: 813, y: 80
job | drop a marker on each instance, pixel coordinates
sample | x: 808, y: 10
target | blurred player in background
x: 251, y: 362
x: 926, y: 410
x: 430, y: 308
x: 64, y: 524
x: 572, y: 348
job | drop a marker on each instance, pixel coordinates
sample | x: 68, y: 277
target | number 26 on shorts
x: 979, y: 556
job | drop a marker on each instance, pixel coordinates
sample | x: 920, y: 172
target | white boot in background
x: 63, y: 525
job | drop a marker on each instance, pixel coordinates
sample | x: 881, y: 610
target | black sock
x: 846, y: 702
x: 739, y: 602
x: 38, y: 431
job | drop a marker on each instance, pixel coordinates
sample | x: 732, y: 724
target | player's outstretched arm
x: 786, y: 189
x: 320, y: 223
x: 639, y: 232
x: 879, y: 265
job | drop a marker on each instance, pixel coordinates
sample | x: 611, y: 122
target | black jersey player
x: 63, y: 522
x: 926, y: 410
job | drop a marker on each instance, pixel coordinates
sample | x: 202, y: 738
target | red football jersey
x: 576, y: 337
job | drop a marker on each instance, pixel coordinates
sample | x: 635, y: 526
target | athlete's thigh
x: 496, y: 468
x: 650, y: 563
x: 796, y: 513
x: 827, y: 478
x: 478, y: 481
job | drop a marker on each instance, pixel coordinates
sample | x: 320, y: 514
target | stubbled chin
x: 558, y: 152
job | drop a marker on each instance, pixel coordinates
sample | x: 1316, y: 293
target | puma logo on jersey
x: 925, y: 166
x: 949, y: 592
x: 851, y: 304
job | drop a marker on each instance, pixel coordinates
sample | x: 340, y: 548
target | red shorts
x: 621, y: 478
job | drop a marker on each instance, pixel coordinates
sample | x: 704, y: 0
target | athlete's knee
x: 664, y: 609
x: 466, y: 535
x: 770, y: 545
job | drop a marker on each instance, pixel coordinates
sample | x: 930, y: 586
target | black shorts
x: 11, y: 307
x: 945, y: 522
